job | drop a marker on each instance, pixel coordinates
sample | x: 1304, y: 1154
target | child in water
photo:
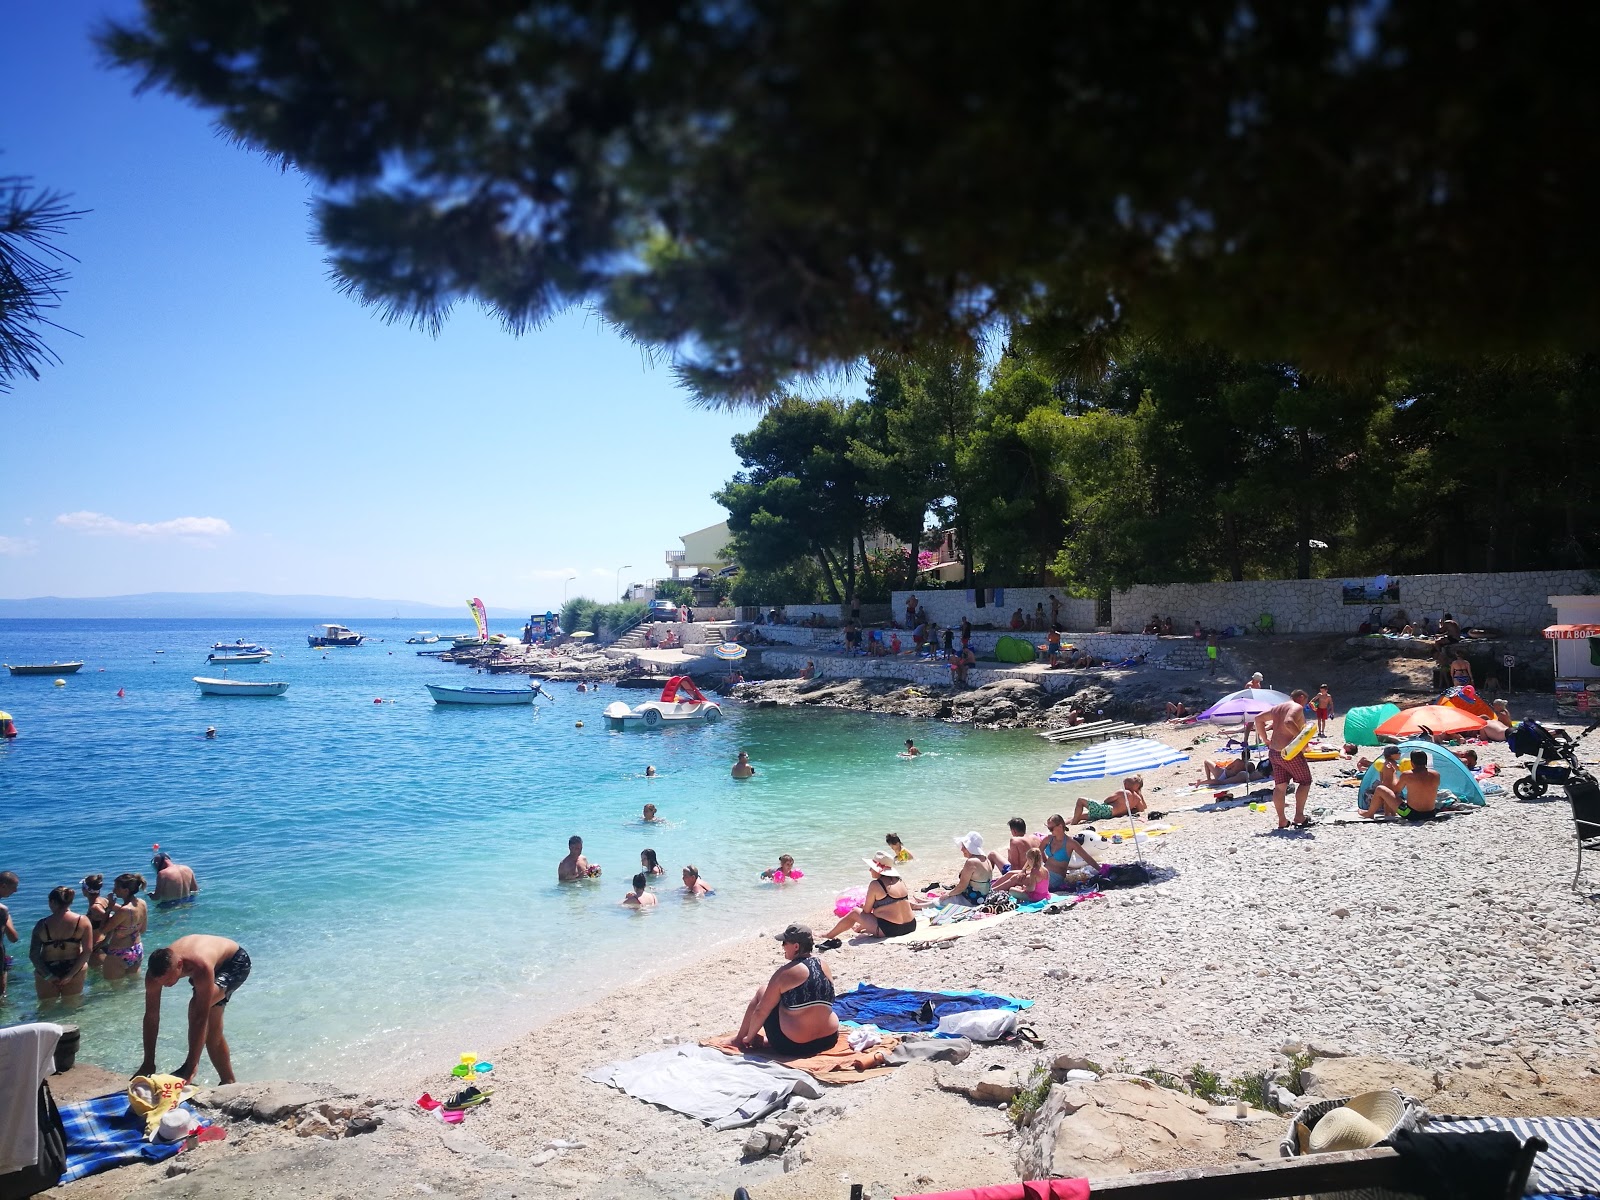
x: 901, y: 854
x: 784, y: 872
x: 641, y: 896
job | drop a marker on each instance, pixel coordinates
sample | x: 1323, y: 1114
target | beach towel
x: 706, y: 1084
x: 1571, y: 1167
x: 902, y: 1010
x: 105, y: 1132
x: 837, y: 1066
x: 27, y: 1056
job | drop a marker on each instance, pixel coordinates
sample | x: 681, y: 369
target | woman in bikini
x: 887, y: 910
x: 1060, y: 851
x: 60, y: 949
x: 1031, y: 881
x: 124, y: 932
x: 99, y: 912
x: 792, y: 1013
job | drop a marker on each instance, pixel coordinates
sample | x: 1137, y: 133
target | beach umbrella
x: 1243, y: 706
x: 1117, y: 757
x: 730, y: 652
x: 1441, y: 720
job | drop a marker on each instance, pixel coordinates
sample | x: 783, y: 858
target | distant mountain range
x: 241, y: 604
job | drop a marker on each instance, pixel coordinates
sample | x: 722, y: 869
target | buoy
x: 8, y: 727
x: 378, y: 700
x: 579, y: 725
x: 119, y: 693
x: 61, y: 683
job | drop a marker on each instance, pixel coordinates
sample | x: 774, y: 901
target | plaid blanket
x: 103, y: 1133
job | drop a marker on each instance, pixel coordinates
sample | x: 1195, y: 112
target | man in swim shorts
x: 1421, y: 792
x: 575, y: 866
x: 216, y: 968
x: 741, y: 766
x: 174, y: 881
x: 1278, y: 727
x: 9, y: 883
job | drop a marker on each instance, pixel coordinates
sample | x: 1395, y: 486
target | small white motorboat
x: 447, y: 694
x: 680, y: 700
x: 228, y: 659
x: 239, y: 647
x: 423, y: 637
x: 334, y: 635
x: 239, y: 687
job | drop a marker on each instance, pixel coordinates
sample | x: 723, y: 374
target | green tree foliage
x: 32, y: 272
x: 773, y: 188
x: 580, y: 614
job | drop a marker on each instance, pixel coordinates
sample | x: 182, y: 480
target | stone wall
x: 833, y: 614
x: 947, y: 607
x: 1512, y: 602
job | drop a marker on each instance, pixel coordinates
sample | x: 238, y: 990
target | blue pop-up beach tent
x: 1453, y: 773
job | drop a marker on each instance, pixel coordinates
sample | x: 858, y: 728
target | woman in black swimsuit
x: 792, y: 1013
x: 60, y: 949
x: 99, y: 913
x: 886, y: 911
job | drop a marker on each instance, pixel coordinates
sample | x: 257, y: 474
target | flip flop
x: 829, y: 944
x: 467, y: 1098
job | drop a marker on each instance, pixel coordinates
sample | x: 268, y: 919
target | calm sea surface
x: 391, y: 867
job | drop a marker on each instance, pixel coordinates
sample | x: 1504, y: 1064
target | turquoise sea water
x: 391, y: 867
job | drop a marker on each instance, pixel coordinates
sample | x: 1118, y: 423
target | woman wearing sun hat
x: 887, y: 909
x: 977, y: 872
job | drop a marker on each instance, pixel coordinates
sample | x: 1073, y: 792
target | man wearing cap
x: 1285, y: 723
x: 887, y: 910
x: 1385, y: 798
x: 792, y: 1013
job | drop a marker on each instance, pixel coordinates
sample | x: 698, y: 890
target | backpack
x: 52, y: 1164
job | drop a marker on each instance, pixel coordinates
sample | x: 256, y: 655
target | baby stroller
x: 1557, y: 759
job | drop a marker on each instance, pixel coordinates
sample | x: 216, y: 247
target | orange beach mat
x: 839, y: 1065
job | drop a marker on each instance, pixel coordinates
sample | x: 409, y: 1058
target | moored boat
x: 423, y: 637
x: 229, y: 659
x: 239, y: 687
x: 239, y: 647
x: 66, y: 668
x: 334, y: 635
x: 448, y: 694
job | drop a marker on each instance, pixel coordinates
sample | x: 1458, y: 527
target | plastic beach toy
x: 849, y: 900
x: 464, y: 1068
x: 483, y: 1068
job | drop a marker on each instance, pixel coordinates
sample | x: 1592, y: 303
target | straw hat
x: 881, y: 864
x: 1361, y: 1123
x: 972, y: 843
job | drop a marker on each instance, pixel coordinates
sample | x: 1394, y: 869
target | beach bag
x: 52, y: 1163
x: 999, y: 902
x: 981, y: 1025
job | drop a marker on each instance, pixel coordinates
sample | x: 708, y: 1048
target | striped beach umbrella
x: 1118, y: 757
x: 730, y: 652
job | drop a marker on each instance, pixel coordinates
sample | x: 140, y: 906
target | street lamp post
x: 620, y: 570
x: 564, y: 588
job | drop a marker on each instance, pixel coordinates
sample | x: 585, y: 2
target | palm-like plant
x: 32, y: 271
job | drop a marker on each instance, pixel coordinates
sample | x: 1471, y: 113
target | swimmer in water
x: 784, y: 871
x: 649, y: 772
x: 641, y: 896
x: 174, y: 881
x: 911, y: 750
x: 742, y: 768
x: 575, y: 866
x: 650, y: 864
x: 650, y: 817
x: 211, y: 731
x: 693, y: 885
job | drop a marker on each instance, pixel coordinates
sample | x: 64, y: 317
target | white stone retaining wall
x: 947, y: 607
x: 1513, y: 602
x: 910, y: 670
x: 834, y: 614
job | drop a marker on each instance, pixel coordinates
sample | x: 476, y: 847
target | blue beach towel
x: 103, y: 1133
x: 896, y: 1010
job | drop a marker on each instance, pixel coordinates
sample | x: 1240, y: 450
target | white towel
x: 27, y: 1055
x: 864, y: 1038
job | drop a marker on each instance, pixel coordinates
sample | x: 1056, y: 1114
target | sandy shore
x: 1451, y: 959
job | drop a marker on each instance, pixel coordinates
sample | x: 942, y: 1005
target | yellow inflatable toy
x: 1301, y: 741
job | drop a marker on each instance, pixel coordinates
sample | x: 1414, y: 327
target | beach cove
x: 391, y: 867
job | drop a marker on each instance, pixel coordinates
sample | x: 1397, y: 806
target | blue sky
x: 227, y: 421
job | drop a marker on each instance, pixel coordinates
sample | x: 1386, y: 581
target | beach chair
x: 1265, y: 623
x: 1584, y: 793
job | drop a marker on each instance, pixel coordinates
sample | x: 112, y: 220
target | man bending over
x: 215, y: 967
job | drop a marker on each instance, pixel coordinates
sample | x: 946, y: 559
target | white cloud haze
x: 178, y: 527
x: 16, y: 545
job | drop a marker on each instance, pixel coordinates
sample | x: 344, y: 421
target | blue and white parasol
x: 1120, y: 756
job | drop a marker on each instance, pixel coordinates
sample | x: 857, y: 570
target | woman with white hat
x: 977, y: 872
x: 887, y: 909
